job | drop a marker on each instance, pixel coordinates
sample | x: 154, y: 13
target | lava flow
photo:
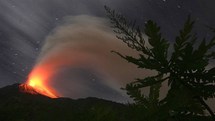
x: 37, y: 83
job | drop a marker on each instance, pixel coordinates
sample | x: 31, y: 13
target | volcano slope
x: 16, y: 105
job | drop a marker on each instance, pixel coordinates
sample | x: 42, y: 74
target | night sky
x: 25, y: 25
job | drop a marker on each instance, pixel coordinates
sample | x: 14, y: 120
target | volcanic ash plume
x: 81, y: 42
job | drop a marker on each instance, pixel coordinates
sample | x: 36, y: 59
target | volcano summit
x: 18, y: 105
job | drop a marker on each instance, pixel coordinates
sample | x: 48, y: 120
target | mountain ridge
x: 16, y: 105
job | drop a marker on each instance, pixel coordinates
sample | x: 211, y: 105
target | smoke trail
x: 84, y: 43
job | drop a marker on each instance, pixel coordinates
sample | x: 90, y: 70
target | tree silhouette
x: 190, y: 80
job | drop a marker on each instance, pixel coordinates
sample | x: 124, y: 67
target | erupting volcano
x: 37, y: 83
x: 76, y: 45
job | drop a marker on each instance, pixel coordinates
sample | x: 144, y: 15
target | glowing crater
x: 37, y: 81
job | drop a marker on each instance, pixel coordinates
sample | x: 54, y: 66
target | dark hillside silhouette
x: 15, y: 105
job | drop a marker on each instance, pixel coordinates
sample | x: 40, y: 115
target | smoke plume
x: 79, y: 63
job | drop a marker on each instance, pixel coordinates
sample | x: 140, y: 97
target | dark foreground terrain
x: 15, y: 105
x: 18, y: 106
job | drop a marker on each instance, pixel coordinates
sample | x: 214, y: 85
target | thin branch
x: 206, y: 106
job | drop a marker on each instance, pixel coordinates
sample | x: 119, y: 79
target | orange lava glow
x: 38, y: 79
